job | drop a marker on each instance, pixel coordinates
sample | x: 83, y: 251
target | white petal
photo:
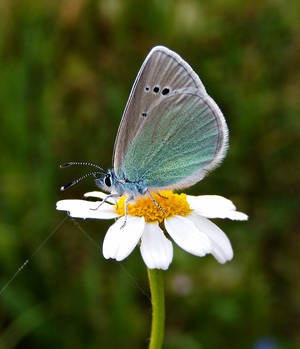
x: 215, y: 206
x: 87, y: 209
x: 119, y: 242
x: 100, y: 195
x: 156, y: 249
x: 187, y: 236
x: 221, y: 246
x: 237, y: 216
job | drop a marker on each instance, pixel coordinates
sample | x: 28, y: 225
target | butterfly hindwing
x: 182, y: 138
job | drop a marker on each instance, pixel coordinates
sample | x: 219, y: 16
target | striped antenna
x: 64, y: 187
x: 67, y: 164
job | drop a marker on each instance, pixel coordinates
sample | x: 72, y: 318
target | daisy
x: 184, y: 218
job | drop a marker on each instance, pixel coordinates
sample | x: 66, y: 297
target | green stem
x: 158, y: 308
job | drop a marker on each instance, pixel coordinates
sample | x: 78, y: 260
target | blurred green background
x: 66, y: 70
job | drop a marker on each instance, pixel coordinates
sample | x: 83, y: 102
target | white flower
x: 184, y: 218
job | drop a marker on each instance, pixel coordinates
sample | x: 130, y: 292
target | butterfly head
x: 110, y: 182
x: 106, y: 181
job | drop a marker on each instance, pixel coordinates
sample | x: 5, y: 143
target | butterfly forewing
x: 178, y: 143
x: 162, y: 72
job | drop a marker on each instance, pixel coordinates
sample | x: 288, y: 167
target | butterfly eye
x: 156, y: 89
x: 107, y: 181
x: 165, y: 91
x: 144, y: 114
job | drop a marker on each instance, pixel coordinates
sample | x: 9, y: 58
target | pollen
x: 171, y: 204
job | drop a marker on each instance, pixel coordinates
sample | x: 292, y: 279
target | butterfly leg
x: 126, y: 210
x: 156, y: 203
x: 161, y: 196
x: 103, y: 201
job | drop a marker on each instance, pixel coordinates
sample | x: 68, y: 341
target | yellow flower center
x: 172, y: 204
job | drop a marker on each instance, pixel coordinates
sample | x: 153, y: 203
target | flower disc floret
x: 172, y: 204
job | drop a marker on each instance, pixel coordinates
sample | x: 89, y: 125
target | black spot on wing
x: 165, y: 91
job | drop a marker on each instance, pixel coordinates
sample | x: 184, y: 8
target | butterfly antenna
x: 64, y: 187
x: 67, y: 164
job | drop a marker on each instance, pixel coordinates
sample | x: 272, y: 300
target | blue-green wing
x: 164, y: 70
x: 182, y: 137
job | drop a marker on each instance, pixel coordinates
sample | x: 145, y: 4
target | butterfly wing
x: 162, y: 69
x: 183, y: 137
x: 172, y: 132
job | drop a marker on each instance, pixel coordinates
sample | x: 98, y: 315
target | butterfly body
x: 111, y: 183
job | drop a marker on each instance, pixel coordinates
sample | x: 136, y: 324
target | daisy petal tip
x: 222, y: 261
x: 245, y: 216
x: 63, y: 206
x: 226, y: 259
x: 222, y: 258
x: 156, y: 249
x: 60, y: 205
x: 105, y: 255
x: 121, y: 257
x: 93, y: 194
x: 107, y: 252
x: 238, y: 216
x: 162, y: 267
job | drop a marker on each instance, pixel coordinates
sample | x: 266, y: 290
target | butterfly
x: 171, y: 133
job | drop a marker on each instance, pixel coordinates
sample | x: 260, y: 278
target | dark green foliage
x: 66, y: 69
